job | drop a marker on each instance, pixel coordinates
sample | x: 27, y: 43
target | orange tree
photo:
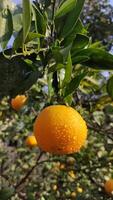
x: 52, y: 53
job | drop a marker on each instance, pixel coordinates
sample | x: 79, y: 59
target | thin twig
x: 34, y: 111
x: 29, y: 172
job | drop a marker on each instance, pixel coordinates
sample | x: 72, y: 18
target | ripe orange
x: 73, y: 195
x: 109, y: 186
x: 31, y: 141
x: 18, y: 102
x: 60, y: 129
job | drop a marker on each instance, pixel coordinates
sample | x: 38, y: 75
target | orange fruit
x: 73, y: 194
x: 60, y: 129
x: 31, y: 141
x: 79, y: 190
x: 109, y: 186
x: 18, y: 102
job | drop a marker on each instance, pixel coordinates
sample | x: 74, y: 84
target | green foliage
x: 65, y: 7
x: 69, y: 22
x: 110, y: 87
x: 6, y: 24
x: 73, y: 84
x: 26, y: 18
x: 53, y: 31
x: 18, y: 41
x: 40, y: 20
x: 98, y: 16
x: 98, y: 58
x: 53, y: 54
x: 5, y: 194
x: 68, y: 71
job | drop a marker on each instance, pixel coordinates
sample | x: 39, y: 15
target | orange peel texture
x: 60, y: 129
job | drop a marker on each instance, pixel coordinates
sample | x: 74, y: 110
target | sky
x: 17, y: 1
x: 111, y: 1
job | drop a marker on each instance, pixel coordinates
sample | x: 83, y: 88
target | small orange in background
x: 109, y: 186
x: 73, y: 194
x: 18, y: 102
x: 60, y: 129
x: 31, y: 141
x: 79, y: 190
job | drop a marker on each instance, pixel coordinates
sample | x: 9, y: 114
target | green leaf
x: 27, y: 83
x: 65, y: 8
x: 18, y: 40
x: 57, y: 55
x: 80, y: 59
x: 40, y: 20
x: 55, y: 67
x: 17, y: 20
x: 30, y: 196
x: 50, y: 88
x: 26, y: 18
x: 68, y: 71
x: 98, y: 58
x: 65, y: 51
x: 31, y: 36
x: 80, y: 42
x: 6, y: 27
x: 110, y: 87
x: 71, y: 19
x: 74, y: 84
x: 78, y: 29
x: 97, y: 44
x: 6, y: 194
x: 68, y: 99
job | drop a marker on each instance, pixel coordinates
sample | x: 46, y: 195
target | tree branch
x: 29, y: 172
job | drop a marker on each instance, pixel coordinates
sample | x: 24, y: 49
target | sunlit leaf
x: 68, y: 71
x: 31, y: 36
x: 71, y: 19
x: 80, y: 42
x: 26, y: 18
x: 65, y: 8
x: 6, y: 27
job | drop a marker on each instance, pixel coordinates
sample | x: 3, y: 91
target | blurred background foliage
x: 79, y: 176
x: 98, y: 16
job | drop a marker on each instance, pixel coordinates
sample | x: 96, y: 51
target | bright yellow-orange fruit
x: 31, y: 141
x: 109, y: 186
x: 18, y: 102
x: 60, y: 129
